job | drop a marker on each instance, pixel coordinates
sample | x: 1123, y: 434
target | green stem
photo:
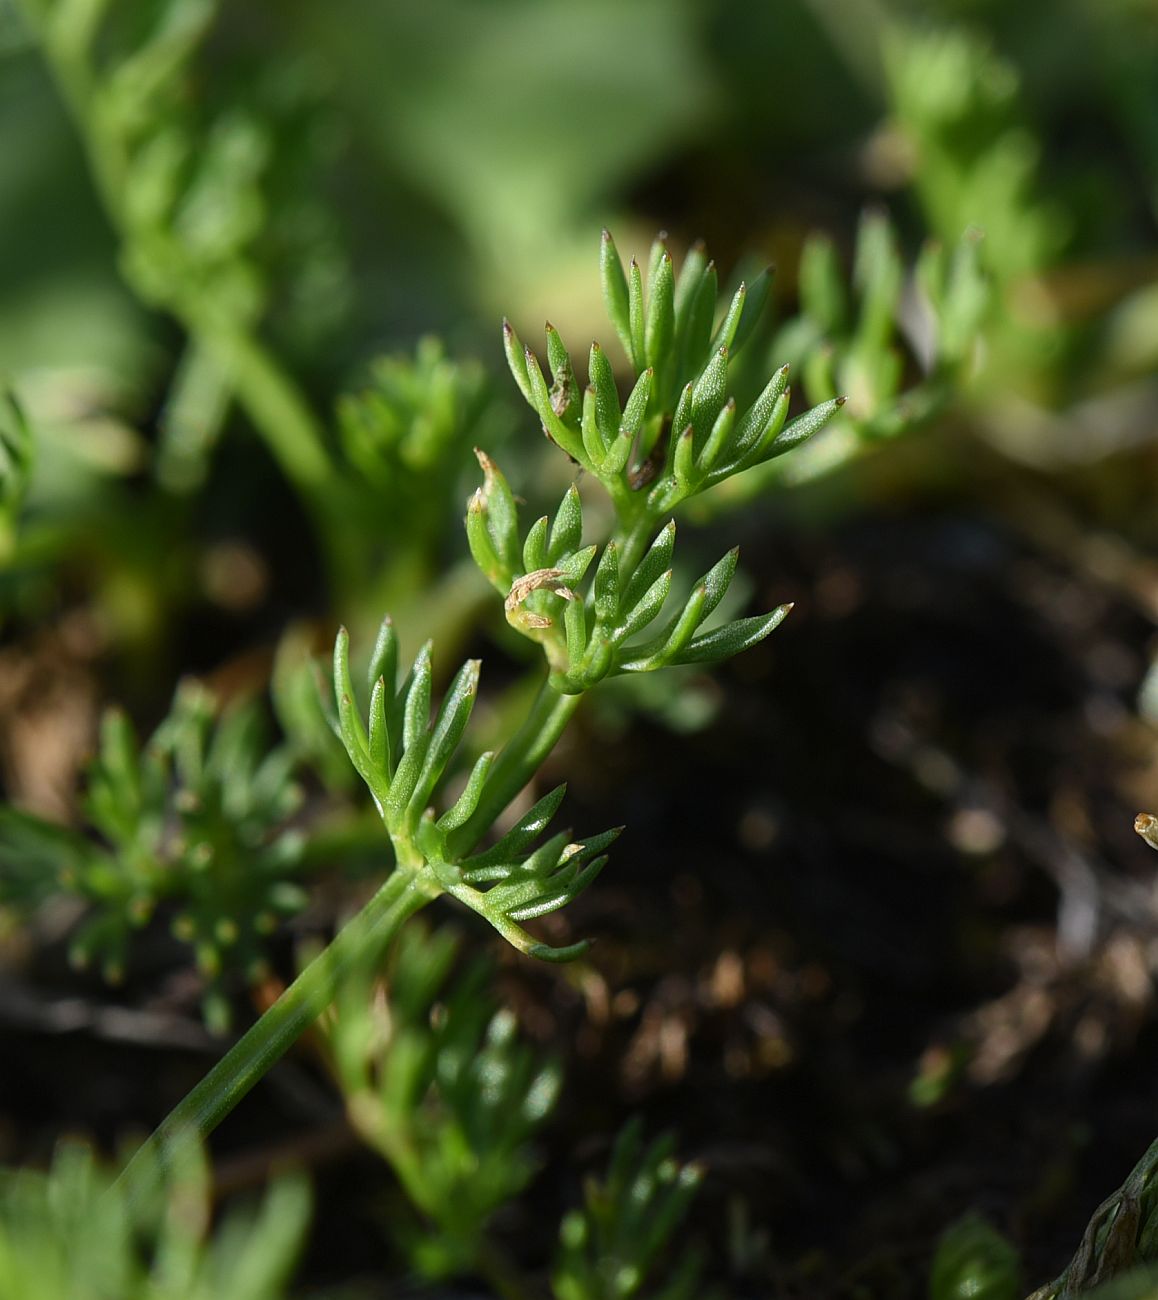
x: 271, y: 400
x: 397, y: 1149
x: 632, y: 539
x: 404, y: 893
x: 518, y: 761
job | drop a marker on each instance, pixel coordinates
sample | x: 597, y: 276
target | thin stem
x: 632, y: 538
x: 518, y: 761
x: 404, y: 893
x: 271, y: 400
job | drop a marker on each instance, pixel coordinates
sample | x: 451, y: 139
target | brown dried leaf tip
x: 522, y: 587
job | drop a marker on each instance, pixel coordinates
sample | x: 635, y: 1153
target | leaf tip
x: 544, y: 951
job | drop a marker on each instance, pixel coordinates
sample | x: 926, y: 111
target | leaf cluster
x: 437, y: 1080
x: 956, y: 101
x: 620, y: 624
x: 197, y: 819
x: 215, y: 200
x: 615, y: 1244
x: 850, y: 335
x: 407, y: 435
x: 74, y: 1234
x: 679, y: 431
x: 974, y: 1259
x: 196, y: 187
x: 597, y: 611
x: 404, y: 751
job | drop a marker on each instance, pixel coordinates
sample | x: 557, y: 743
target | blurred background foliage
x: 305, y: 190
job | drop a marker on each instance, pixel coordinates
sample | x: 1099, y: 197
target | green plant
x: 199, y: 122
x: 611, y: 1247
x: 1122, y: 1234
x: 193, y: 191
x: 213, y: 190
x: 16, y: 453
x: 197, y: 821
x: 974, y: 1260
x: 899, y: 343
x: 404, y: 434
x: 405, y: 440
x: 957, y: 102
x: 71, y: 1234
x: 677, y: 433
x: 437, y: 1081
x: 851, y: 341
